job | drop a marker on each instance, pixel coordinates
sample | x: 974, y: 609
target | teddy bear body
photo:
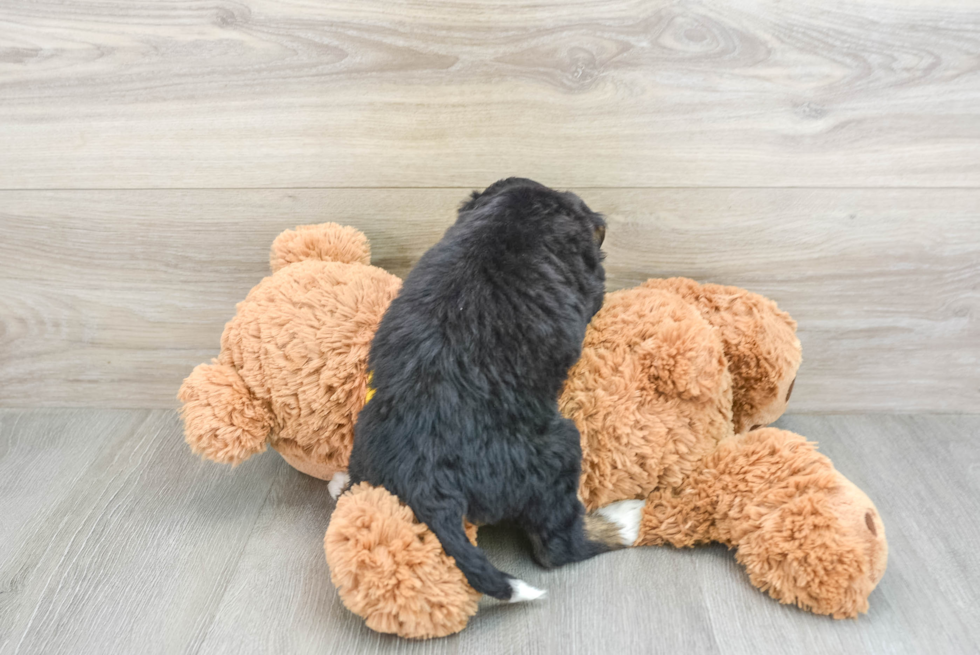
x: 671, y: 395
x: 650, y: 398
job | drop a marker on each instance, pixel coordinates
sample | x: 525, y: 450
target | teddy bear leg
x: 805, y: 534
x: 392, y: 571
x: 760, y: 344
x: 223, y: 421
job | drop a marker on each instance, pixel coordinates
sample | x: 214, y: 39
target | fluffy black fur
x: 468, y: 363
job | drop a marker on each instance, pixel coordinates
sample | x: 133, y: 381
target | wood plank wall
x: 826, y: 154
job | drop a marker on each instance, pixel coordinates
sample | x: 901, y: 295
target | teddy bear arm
x: 681, y: 517
x: 223, y: 420
x: 760, y: 344
x: 805, y: 534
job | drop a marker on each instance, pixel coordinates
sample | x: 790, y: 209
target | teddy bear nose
x: 870, y: 522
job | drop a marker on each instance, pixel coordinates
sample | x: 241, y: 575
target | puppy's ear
x: 469, y: 203
x: 479, y: 197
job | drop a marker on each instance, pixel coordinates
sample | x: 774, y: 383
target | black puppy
x: 467, y: 366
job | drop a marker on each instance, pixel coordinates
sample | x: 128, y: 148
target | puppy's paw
x: 626, y: 515
x: 337, y: 484
x: 524, y: 592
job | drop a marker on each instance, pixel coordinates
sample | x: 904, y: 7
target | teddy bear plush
x: 672, y: 394
x: 292, y: 368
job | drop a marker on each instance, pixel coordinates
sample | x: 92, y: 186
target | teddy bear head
x: 292, y: 368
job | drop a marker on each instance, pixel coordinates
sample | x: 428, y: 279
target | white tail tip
x: 524, y: 592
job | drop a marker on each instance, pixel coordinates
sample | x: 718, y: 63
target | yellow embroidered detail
x: 370, y: 390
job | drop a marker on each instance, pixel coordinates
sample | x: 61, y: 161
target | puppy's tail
x: 473, y: 562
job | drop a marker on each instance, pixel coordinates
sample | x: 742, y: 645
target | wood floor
x: 116, y: 539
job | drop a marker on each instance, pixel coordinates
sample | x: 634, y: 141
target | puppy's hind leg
x: 337, y: 484
x: 555, y: 519
x: 447, y: 524
x: 557, y: 528
x: 617, y: 524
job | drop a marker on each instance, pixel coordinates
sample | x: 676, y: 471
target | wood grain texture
x: 922, y: 474
x: 109, y: 298
x: 46, y: 476
x: 144, y: 549
x: 277, y: 93
x: 144, y: 540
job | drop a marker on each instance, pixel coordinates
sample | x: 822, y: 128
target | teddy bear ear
x: 328, y: 242
x: 684, y: 358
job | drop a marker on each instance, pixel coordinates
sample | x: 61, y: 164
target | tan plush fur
x: 293, y: 364
x: 760, y: 344
x: 804, y: 533
x: 673, y: 377
x: 393, y: 569
x: 651, y: 395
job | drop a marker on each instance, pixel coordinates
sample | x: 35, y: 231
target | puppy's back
x: 469, y: 359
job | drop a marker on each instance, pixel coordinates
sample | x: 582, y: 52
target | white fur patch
x: 337, y: 484
x: 626, y: 514
x: 523, y: 592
